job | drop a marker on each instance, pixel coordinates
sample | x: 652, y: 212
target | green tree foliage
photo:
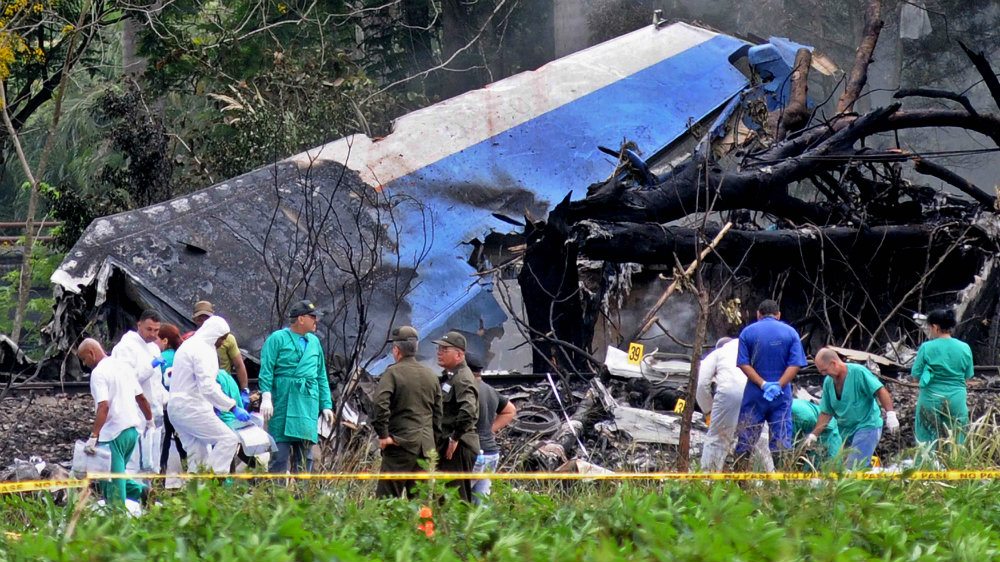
x: 138, y: 136
x: 249, y: 82
x: 44, y: 262
x: 130, y: 167
x: 951, y: 21
x: 35, y: 36
x: 222, y: 88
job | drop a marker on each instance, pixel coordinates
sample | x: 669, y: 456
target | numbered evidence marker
x: 679, y: 406
x: 635, y: 353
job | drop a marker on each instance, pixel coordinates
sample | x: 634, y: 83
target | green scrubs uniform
x: 232, y: 390
x: 942, y: 366
x: 117, y: 490
x: 805, y: 414
x: 293, y: 370
x: 856, y: 407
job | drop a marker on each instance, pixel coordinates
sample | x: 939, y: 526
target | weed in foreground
x: 835, y: 520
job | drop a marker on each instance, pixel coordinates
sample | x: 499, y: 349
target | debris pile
x: 613, y: 423
x: 43, y: 426
x: 617, y: 423
x: 628, y: 423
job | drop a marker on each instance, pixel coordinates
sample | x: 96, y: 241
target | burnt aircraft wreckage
x: 663, y: 124
x: 407, y: 228
x: 540, y: 215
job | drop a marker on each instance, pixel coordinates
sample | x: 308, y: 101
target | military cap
x: 452, y: 339
x: 403, y: 333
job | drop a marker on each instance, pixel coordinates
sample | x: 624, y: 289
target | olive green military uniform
x: 460, y: 416
x: 407, y: 408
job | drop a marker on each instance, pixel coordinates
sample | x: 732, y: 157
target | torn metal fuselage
x: 427, y: 206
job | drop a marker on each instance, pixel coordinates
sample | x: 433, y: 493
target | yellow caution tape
x: 39, y: 485
x: 537, y: 476
x: 919, y: 475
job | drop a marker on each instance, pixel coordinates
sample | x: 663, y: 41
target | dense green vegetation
x: 160, y: 102
x: 45, y: 261
x: 845, y: 520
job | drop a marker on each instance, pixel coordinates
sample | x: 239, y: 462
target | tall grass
x: 822, y: 520
x: 835, y: 520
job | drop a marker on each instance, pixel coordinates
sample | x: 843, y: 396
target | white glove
x: 809, y: 441
x: 91, y: 447
x: 891, y: 421
x: 328, y: 416
x: 147, y: 426
x: 266, y: 407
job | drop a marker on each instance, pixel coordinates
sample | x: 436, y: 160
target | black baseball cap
x: 302, y: 308
x: 472, y: 360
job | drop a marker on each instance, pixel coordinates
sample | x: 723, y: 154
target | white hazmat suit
x: 194, y: 393
x: 719, y: 368
x: 139, y: 354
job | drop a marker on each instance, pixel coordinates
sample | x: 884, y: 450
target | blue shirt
x: 770, y: 346
x: 168, y: 362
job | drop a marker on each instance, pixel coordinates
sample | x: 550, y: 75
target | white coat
x: 193, y: 395
x: 138, y: 355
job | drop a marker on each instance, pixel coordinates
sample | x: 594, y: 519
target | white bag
x: 145, y: 455
x: 149, y: 452
x: 155, y: 445
x: 84, y: 464
x: 255, y: 440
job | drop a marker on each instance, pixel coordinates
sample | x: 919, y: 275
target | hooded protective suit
x: 193, y: 395
x: 719, y: 369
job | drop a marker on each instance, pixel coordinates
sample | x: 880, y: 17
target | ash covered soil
x: 47, y: 426
x: 43, y: 426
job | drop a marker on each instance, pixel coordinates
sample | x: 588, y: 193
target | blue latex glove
x: 245, y: 397
x: 158, y: 362
x: 771, y: 390
x: 241, y: 414
x: 217, y: 411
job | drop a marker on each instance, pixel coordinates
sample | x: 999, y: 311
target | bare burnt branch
x: 938, y: 171
x: 862, y: 58
x: 797, y: 113
x: 985, y: 69
x: 936, y: 94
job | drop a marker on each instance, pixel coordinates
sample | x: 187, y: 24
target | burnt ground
x: 44, y: 426
x: 47, y: 426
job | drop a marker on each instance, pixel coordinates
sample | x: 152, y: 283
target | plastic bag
x: 255, y: 440
x: 84, y: 464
